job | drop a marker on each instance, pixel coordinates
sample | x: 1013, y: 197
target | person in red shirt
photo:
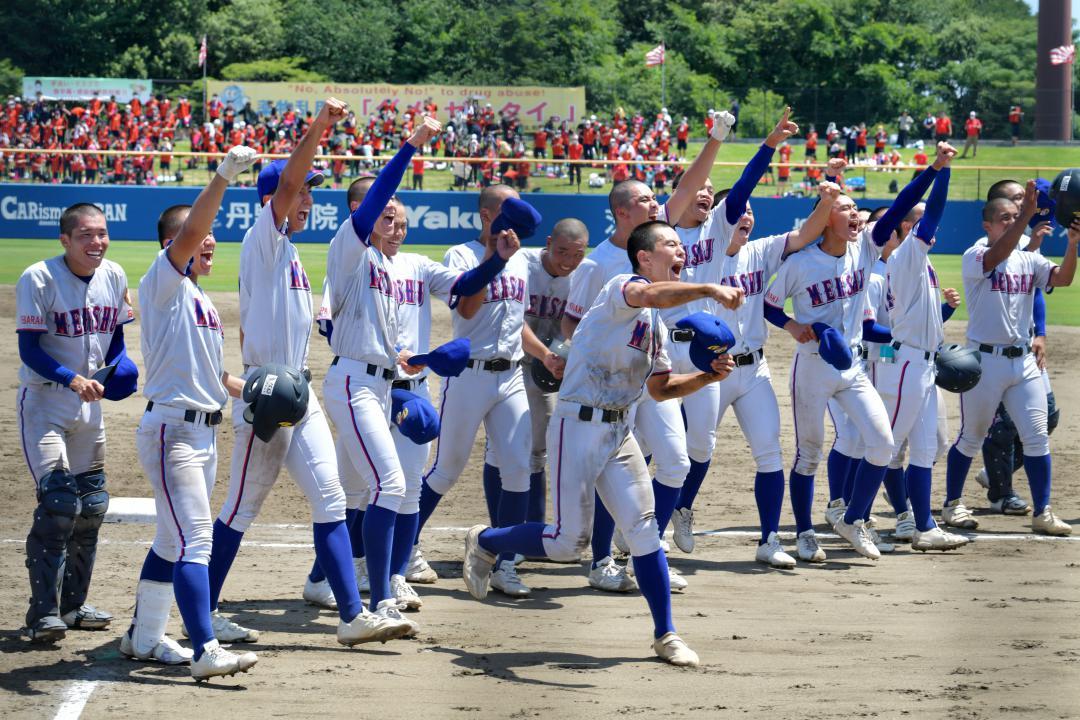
x: 1016, y: 115
x: 921, y: 161
x: 973, y: 128
x: 576, y: 151
x: 811, y: 145
x: 942, y: 127
x: 682, y: 135
x: 540, y: 139
x: 860, y: 142
x: 418, y: 171
x: 880, y: 138
x: 784, y: 171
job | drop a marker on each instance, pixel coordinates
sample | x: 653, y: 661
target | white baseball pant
x: 660, y: 432
x: 57, y: 430
x: 1018, y: 383
x: 911, y: 401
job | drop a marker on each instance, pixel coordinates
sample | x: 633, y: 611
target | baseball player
x: 70, y: 315
x: 657, y: 424
x: 828, y: 288
x: 618, y: 350
x: 999, y: 283
x: 187, y: 386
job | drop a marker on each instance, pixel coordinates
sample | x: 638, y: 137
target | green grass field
x: 1063, y: 307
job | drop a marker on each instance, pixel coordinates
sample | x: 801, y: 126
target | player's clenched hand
x: 829, y: 192
x: 952, y: 296
x: 1038, y: 348
x: 236, y: 161
x: 1030, y: 204
x: 945, y: 154
x: 722, y: 124
x: 729, y: 297
x: 835, y: 167
x: 723, y: 365
x: 403, y: 362
x: 555, y: 364
x: 87, y: 390
x: 333, y: 110
x: 425, y: 132
x: 507, y: 243
x: 783, y: 130
x: 801, y: 332
x: 1074, y: 231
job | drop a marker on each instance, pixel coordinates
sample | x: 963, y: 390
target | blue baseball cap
x: 447, y: 360
x: 120, y: 379
x: 517, y: 215
x: 832, y: 347
x: 712, y: 337
x: 271, y: 173
x: 1046, y: 206
x: 414, y: 416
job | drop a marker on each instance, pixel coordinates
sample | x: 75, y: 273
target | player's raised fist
x: 236, y: 161
x: 722, y: 124
x: 835, y: 167
x: 945, y: 154
x: 783, y: 130
x: 507, y: 243
x: 729, y: 297
x: 333, y: 110
x: 425, y: 132
x: 829, y: 191
x: 952, y: 296
x: 1030, y: 205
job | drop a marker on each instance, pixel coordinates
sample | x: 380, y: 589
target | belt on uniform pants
x: 748, y: 358
x: 681, y: 334
x: 496, y: 365
x: 1011, y: 351
x: 409, y: 385
x: 586, y: 414
x: 373, y: 370
x: 927, y: 355
x: 192, y: 416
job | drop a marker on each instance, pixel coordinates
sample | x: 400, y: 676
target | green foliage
x: 287, y: 69
x: 10, y: 78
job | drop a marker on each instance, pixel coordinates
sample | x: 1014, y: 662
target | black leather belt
x: 748, y: 358
x: 373, y: 370
x: 585, y: 414
x: 1014, y: 351
x: 496, y: 365
x: 681, y: 334
x: 896, y: 345
x: 409, y: 385
x: 212, y: 418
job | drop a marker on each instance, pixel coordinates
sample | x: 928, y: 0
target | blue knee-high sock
x: 837, y: 468
x: 918, y: 489
x: 513, y: 506
x: 537, y: 497
x: 429, y: 500
x: 692, y: 484
x: 849, y: 479
x: 191, y: 585
x: 492, y: 492
x: 957, y: 466
x: 226, y: 544
x: 1038, y: 470
x: 801, y: 488
x: 334, y: 551
x: 769, y: 495
x: 356, y: 532
x: 526, y: 538
x: 652, y: 578
x: 664, y: 499
x: 317, y: 574
x: 156, y: 568
x: 378, y: 541
x: 404, y: 535
x: 868, y: 479
x: 896, y: 486
x: 603, y: 530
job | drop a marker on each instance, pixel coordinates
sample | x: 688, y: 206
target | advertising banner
x: 73, y: 88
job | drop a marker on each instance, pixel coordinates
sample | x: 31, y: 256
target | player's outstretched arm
x: 909, y: 197
x: 935, y: 207
x: 1004, y: 245
x: 675, y: 293
x: 287, y: 194
x: 739, y: 196
x: 811, y: 230
x: 537, y: 349
x: 667, y: 386
x: 1062, y: 276
x: 200, y: 219
x: 699, y: 170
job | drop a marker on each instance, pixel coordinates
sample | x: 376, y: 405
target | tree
x: 283, y: 69
x: 245, y: 29
x: 347, y: 40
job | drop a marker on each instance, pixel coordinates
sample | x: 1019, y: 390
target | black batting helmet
x: 277, y: 396
x: 541, y: 376
x: 958, y: 368
x: 1065, y: 192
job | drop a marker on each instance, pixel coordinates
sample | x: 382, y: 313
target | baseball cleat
x: 320, y: 594
x: 1047, y: 523
x: 954, y: 514
x: 835, y: 511
x: 937, y: 539
x: 167, y: 651
x: 675, y: 580
x: 620, y: 542
x: 47, y: 629
x: 404, y: 594
x: 983, y: 479
x: 505, y: 579
x: 390, y: 609
x: 216, y: 660
x: 419, y: 571
x: 363, y: 583
x: 87, y: 617
x: 226, y: 631
x: 476, y: 570
x: 1011, y: 505
x: 609, y: 576
x: 771, y: 553
x: 671, y: 649
x: 875, y: 537
x: 806, y: 545
x: 373, y: 627
x: 905, y: 526
x: 682, y: 524
x: 859, y: 537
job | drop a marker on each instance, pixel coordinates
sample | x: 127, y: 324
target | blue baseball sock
x: 603, y: 530
x: 537, y: 497
x: 652, y: 578
x: 226, y: 544
x: 378, y: 540
x: 801, y: 488
x: 526, y: 538
x: 896, y: 486
x: 918, y: 488
x: 513, y: 507
x: 664, y: 499
x: 492, y: 492
x: 334, y: 551
x: 156, y: 568
x: 317, y: 575
x: 1038, y: 470
x: 692, y: 484
x: 404, y: 534
x: 837, y: 467
x: 429, y: 500
x: 956, y: 469
x: 191, y: 585
x: 769, y: 495
x: 849, y: 480
x: 868, y: 479
x: 356, y: 531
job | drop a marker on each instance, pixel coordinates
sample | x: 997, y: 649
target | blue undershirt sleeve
x: 35, y: 358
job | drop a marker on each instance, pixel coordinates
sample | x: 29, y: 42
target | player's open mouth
x: 302, y: 216
x: 705, y: 204
x: 207, y: 258
x: 96, y: 254
x: 853, y: 225
x: 676, y: 270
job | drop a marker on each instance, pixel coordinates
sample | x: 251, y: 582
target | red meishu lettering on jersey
x: 700, y: 252
x: 207, y: 317
x: 640, y: 336
x: 86, y: 320
x: 752, y: 283
x: 838, y: 288
x: 1012, y: 283
x: 545, y: 307
x: 298, y: 279
x: 506, y: 287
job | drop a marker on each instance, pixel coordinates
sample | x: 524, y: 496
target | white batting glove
x: 722, y: 124
x: 236, y: 161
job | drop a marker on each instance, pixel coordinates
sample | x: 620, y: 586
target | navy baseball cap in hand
x: 120, y: 379
x: 414, y: 416
x: 517, y: 215
x: 1045, y: 211
x: 712, y: 337
x: 271, y: 174
x: 832, y: 347
x: 446, y: 360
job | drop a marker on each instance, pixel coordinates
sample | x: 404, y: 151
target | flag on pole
x: 1063, y: 55
x: 202, y: 52
x: 655, y: 56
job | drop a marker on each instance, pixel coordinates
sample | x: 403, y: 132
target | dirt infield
x: 989, y: 631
